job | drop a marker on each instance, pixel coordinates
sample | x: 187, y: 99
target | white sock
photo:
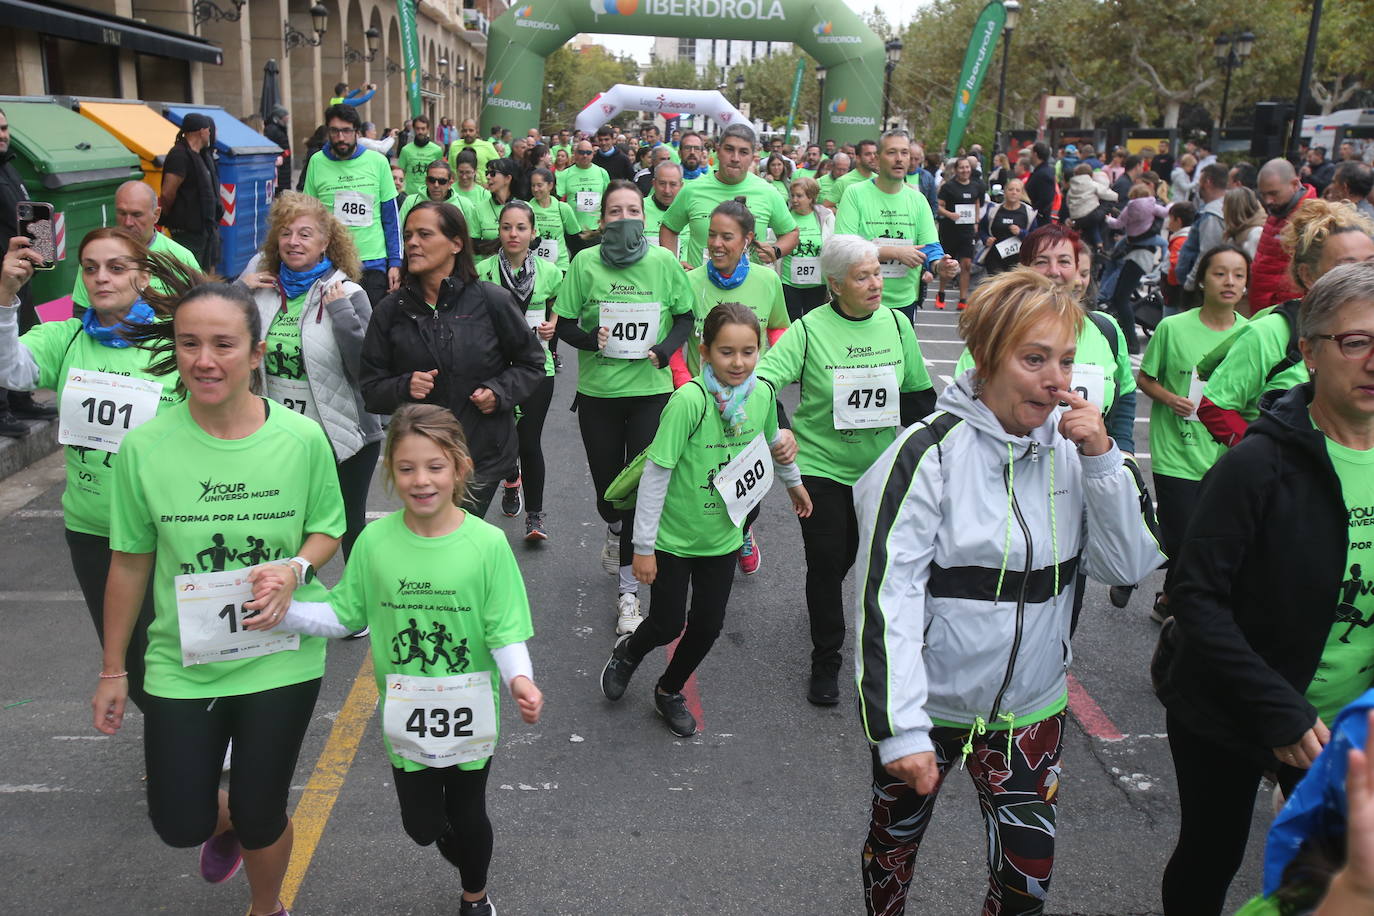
x: 628, y: 583
x: 614, y: 528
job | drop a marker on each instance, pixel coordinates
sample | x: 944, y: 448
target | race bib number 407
x: 633, y: 327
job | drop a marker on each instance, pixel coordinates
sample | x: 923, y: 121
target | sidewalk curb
x: 17, y: 454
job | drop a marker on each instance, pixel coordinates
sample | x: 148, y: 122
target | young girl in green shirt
x: 705, y: 471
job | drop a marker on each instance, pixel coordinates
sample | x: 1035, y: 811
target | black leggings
x: 1216, y: 796
x: 183, y: 748
x: 802, y: 299
x: 1121, y: 304
x: 614, y: 430
x: 91, y: 563
x: 831, y: 540
x: 530, y: 429
x: 1176, y: 498
x: 448, y: 806
x: 355, y: 478
x: 710, y: 579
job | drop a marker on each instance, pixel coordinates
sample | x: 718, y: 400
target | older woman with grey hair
x: 862, y: 378
x: 1271, y: 632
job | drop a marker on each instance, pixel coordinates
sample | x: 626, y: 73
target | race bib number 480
x: 440, y: 721
x: 745, y: 481
x: 99, y: 408
x: 866, y: 398
x: 210, y: 615
x: 633, y: 327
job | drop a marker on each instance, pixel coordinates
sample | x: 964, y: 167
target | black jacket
x: 276, y: 132
x: 12, y: 191
x: 1256, y: 586
x: 476, y: 338
x: 617, y: 164
x: 1040, y: 188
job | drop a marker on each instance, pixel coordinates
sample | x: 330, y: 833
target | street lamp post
x: 894, y: 56
x: 1013, y: 11
x: 739, y: 89
x: 820, y: 101
x: 1231, y: 51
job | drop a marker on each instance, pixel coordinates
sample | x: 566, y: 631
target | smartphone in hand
x: 35, y: 220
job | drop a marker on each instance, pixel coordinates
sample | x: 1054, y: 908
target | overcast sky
x: 640, y: 45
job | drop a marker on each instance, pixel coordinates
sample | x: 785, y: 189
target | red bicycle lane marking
x: 1094, y: 720
x: 690, y: 692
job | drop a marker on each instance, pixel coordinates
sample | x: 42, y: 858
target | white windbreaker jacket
x: 971, y: 541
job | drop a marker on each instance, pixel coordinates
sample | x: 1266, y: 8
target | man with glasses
x: 692, y: 151
x: 691, y: 211
x: 582, y: 185
x: 482, y: 149
x: 355, y: 184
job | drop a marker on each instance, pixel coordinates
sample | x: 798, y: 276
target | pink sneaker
x: 749, y: 555
x: 221, y: 856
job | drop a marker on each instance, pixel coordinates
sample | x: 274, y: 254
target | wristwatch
x: 305, y: 573
x: 777, y: 252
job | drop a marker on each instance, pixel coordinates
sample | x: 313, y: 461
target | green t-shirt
x: 485, y: 224
x: 482, y: 148
x: 207, y: 505
x: 590, y: 285
x: 430, y: 615
x: 823, y: 343
x: 842, y: 185
x: 59, y: 347
x: 283, y: 358
x: 547, y: 281
x: 472, y: 195
x: 809, y: 241
x: 354, y: 190
x: 803, y: 173
x: 761, y: 291
x: 1239, y: 381
x: 872, y: 213
x: 1347, y: 664
x: 464, y: 204
x: 1178, y: 447
x: 691, y: 210
x: 160, y: 243
x: 692, y: 441
x: 827, y: 189
x: 415, y: 161
x: 653, y: 218
x: 555, y: 223
x: 581, y: 189
x: 782, y: 187
x: 1095, y: 350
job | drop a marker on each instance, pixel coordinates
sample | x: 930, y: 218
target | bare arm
x: 170, y: 185
x: 124, y: 591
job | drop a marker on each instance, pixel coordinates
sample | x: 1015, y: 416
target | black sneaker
x: 824, y: 689
x: 1120, y: 595
x: 615, y: 677
x: 12, y: 426
x: 26, y: 408
x: 483, y: 907
x: 534, y: 528
x: 673, y: 708
x: 511, y: 503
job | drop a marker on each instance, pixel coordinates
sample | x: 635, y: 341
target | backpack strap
x: 1108, y: 330
x: 1292, y: 355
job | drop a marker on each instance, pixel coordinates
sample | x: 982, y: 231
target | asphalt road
x: 598, y: 809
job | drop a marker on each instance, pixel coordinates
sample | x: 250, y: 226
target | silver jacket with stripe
x: 971, y: 540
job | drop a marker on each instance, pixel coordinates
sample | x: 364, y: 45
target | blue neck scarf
x: 732, y: 281
x: 689, y: 174
x: 730, y: 401
x: 295, y: 283
x: 141, y: 313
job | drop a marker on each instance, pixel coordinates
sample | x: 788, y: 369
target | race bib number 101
x: 99, y: 408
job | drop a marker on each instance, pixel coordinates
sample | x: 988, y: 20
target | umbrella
x: 271, y: 93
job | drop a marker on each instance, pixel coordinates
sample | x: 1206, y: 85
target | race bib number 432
x: 440, y: 721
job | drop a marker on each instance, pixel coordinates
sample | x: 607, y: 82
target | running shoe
x: 962, y: 305
x: 1120, y: 595
x: 939, y: 302
x: 534, y: 528
x: 1160, y: 612
x: 282, y: 912
x: 673, y: 708
x: 221, y: 856
x: 824, y: 689
x: 629, y: 617
x: 511, y: 503
x: 359, y: 634
x: 749, y: 554
x: 615, y: 677
x: 483, y: 907
x: 610, y: 553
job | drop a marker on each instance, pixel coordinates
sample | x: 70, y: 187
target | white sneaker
x: 610, y: 553
x: 630, y: 618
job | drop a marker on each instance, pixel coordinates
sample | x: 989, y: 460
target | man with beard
x: 691, y: 211
x: 865, y: 167
x: 416, y: 155
x: 482, y: 149
x: 1280, y: 191
x: 190, y: 190
x: 610, y: 158
x: 355, y: 184
x: 811, y: 161
x: 667, y: 184
x: 692, y: 149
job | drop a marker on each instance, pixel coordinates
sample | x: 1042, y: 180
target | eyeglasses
x: 583, y: 152
x: 688, y: 147
x: 342, y: 131
x: 1352, y: 344
x: 436, y: 180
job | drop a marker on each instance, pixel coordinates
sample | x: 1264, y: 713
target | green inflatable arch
x: 828, y: 30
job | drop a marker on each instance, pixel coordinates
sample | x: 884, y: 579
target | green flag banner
x: 977, y: 60
x: 796, y: 94
x: 410, y: 55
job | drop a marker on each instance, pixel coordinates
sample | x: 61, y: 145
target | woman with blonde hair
x: 972, y: 525
x: 313, y: 317
x: 1244, y: 217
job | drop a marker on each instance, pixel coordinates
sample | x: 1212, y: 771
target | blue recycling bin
x: 247, y: 182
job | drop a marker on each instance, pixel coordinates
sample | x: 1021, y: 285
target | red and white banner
x: 667, y: 102
x: 228, y: 196
x: 59, y: 235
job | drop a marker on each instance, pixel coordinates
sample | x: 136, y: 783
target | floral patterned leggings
x: 1017, y: 785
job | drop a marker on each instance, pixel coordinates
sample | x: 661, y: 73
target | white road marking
x: 41, y: 597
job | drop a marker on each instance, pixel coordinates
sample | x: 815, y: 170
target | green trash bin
x: 74, y: 164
